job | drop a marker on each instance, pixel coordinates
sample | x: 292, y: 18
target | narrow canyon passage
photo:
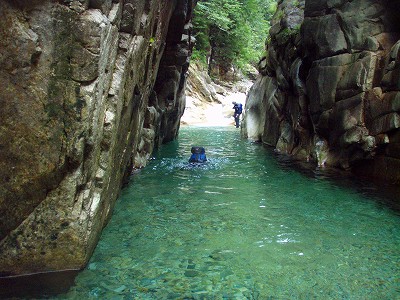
x: 91, y: 88
x: 246, y: 225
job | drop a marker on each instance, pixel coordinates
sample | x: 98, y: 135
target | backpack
x: 238, y: 108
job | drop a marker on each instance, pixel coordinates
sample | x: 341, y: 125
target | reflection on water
x: 247, y: 225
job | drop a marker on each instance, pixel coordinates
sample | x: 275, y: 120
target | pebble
x: 120, y: 289
x: 191, y: 273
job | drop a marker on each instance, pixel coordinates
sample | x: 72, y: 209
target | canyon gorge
x: 91, y: 87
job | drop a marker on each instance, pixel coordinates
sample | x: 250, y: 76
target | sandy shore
x: 202, y: 113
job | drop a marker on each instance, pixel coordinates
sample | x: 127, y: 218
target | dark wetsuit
x: 238, y: 111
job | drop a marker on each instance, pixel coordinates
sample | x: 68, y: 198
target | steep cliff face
x: 329, y: 88
x: 89, y: 87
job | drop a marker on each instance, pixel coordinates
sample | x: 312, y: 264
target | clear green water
x: 245, y: 226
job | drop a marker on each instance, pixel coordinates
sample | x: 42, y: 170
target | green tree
x: 231, y: 33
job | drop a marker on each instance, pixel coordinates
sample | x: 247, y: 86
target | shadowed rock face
x: 89, y: 88
x: 329, y: 87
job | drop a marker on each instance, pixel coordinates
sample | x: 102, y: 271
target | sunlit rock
x: 254, y: 121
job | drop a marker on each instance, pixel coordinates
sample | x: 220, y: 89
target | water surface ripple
x: 246, y: 225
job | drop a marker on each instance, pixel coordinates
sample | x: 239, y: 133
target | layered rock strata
x: 89, y: 88
x: 329, y: 88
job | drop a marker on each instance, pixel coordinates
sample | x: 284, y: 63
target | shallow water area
x: 245, y: 225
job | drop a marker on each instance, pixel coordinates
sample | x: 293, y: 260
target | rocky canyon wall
x: 88, y: 88
x: 329, y: 85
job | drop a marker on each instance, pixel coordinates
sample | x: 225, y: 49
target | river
x: 246, y: 225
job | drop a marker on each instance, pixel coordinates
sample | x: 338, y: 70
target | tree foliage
x: 231, y: 32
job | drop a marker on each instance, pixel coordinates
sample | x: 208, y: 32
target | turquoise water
x: 247, y: 225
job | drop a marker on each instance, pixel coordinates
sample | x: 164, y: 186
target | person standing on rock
x: 238, y: 111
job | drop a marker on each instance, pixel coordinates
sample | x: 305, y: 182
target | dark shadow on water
x: 41, y: 285
x: 382, y: 193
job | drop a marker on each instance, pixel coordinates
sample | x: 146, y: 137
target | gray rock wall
x: 89, y: 88
x: 330, y: 85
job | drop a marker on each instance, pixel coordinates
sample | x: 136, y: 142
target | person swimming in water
x: 198, y: 155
